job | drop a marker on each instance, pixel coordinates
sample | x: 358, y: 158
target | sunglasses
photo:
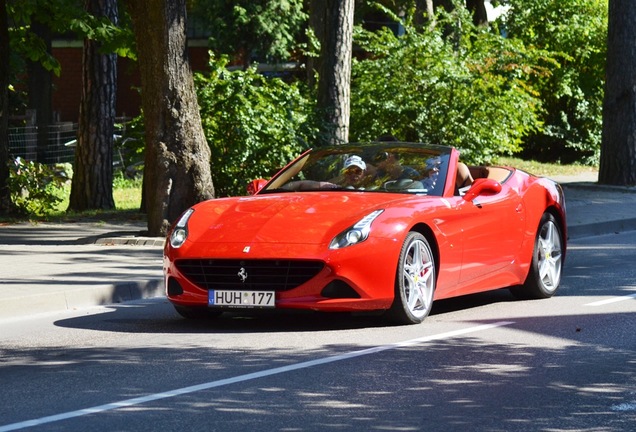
x: 353, y: 171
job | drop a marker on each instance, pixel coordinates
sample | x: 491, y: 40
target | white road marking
x: 624, y: 407
x: 242, y: 378
x: 612, y: 300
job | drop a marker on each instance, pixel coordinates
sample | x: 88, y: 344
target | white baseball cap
x: 355, y: 161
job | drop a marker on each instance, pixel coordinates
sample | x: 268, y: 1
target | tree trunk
x: 478, y: 9
x: 39, y: 80
x: 317, y: 24
x: 92, y: 184
x: 424, y: 13
x: 618, y: 145
x: 335, y: 36
x: 177, y: 159
x: 6, y: 206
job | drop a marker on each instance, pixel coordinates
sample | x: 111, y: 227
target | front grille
x: 252, y: 275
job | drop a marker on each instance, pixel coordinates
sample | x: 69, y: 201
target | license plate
x: 249, y: 299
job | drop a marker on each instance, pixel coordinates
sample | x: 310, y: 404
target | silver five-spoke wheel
x: 544, y: 276
x: 415, y: 281
x: 549, y: 256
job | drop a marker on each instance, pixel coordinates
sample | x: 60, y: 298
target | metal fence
x: 59, y: 147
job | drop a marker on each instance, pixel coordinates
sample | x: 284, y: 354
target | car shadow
x: 158, y: 316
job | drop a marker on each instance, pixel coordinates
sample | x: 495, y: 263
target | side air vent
x: 340, y: 290
x: 174, y: 288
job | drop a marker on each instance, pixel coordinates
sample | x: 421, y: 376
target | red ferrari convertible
x: 369, y: 227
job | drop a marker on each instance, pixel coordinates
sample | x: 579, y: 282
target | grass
x: 545, y: 169
x: 127, y: 197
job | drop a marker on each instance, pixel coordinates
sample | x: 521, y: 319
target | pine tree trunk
x: 6, y: 206
x: 334, y: 91
x: 92, y: 184
x: 618, y: 146
x: 177, y: 159
x: 39, y: 80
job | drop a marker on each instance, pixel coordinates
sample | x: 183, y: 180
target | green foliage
x: 118, y: 39
x: 253, y: 124
x: 62, y: 16
x: 576, y: 31
x: 454, y: 84
x: 121, y: 181
x: 37, y: 189
x: 267, y: 29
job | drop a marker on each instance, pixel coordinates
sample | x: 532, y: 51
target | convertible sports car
x: 387, y: 226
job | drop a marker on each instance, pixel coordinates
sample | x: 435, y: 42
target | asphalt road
x: 485, y: 362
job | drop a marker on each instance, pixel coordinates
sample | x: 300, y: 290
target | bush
x: 37, y: 189
x: 253, y: 124
x: 453, y: 84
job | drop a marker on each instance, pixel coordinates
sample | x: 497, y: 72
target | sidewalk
x: 52, y: 267
x: 594, y: 209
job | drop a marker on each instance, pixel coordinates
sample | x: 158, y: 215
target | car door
x: 492, y: 232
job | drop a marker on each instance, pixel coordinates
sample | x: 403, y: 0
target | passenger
x: 431, y: 173
x: 463, y: 180
x: 389, y: 167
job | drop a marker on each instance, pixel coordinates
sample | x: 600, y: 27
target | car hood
x: 302, y: 218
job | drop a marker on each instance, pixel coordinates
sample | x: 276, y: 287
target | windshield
x: 377, y: 167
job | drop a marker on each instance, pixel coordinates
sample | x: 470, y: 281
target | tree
x: 476, y: 7
x: 575, y: 33
x: 5, y: 194
x: 31, y: 23
x: 177, y: 158
x: 254, y: 124
x: 20, y: 41
x: 618, y: 146
x: 265, y: 29
x: 478, y: 10
x: 469, y: 91
x: 333, y: 26
x: 40, y: 89
x: 92, y: 184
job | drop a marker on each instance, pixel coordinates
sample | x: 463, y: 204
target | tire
x: 544, y: 277
x: 414, y: 281
x: 197, y: 313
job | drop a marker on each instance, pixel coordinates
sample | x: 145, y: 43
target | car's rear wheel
x: 544, y: 276
x: 197, y: 313
x: 414, y: 282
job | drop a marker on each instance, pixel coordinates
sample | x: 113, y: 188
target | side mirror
x: 482, y: 186
x: 255, y: 185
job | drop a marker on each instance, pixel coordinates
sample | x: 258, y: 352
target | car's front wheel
x: 544, y: 276
x: 414, y: 282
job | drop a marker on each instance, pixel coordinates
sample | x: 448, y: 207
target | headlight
x: 355, y: 234
x: 180, y: 231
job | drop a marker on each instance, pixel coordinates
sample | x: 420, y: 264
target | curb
x: 130, y: 241
x: 601, y: 228
x: 595, y: 187
x: 97, y: 295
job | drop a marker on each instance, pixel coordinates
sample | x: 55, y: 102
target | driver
x: 354, y: 172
